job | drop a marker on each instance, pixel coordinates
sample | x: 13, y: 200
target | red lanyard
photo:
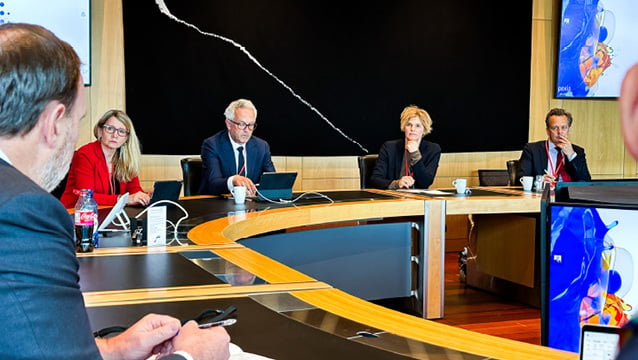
x: 551, y: 163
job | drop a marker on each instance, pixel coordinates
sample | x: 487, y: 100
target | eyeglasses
x: 111, y: 129
x: 242, y: 125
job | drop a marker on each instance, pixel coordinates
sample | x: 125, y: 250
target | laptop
x: 166, y: 190
x: 275, y: 186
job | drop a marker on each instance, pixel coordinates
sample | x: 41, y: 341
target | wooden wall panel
x: 597, y: 128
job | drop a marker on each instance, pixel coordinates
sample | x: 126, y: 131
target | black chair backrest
x: 366, y: 165
x: 493, y: 177
x: 191, y: 174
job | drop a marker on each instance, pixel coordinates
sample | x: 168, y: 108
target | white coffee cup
x: 460, y: 185
x: 527, y: 182
x: 239, y: 194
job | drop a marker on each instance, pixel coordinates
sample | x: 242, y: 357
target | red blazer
x: 88, y: 171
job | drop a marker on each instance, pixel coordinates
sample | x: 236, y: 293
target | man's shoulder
x: 220, y: 136
x: 536, y: 144
x: 258, y: 141
x: 14, y: 182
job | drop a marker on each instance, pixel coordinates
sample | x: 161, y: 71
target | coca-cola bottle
x: 85, y: 222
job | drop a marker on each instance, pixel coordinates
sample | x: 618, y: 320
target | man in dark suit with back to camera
x: 556, y: 158
x: 233, y: 157
x: 42, y: 100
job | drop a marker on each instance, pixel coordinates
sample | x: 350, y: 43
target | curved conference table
x: 222, y: 236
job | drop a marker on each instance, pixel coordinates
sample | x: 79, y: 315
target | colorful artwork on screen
x: 591, y: 271
x: 597, y: 46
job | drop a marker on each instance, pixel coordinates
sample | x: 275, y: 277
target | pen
x: 225, y: 322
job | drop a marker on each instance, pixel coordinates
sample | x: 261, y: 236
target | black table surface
x: 119, y: 272
x: 258, y: 329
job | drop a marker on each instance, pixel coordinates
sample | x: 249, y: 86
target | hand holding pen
x: 208, y: 341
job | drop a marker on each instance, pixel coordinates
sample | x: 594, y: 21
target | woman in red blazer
x: 110, y: 165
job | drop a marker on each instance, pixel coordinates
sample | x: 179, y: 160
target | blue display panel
x: 590, y: 270
x: 597, y: 46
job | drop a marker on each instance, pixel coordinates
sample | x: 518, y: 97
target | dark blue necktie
x: 240, y: 163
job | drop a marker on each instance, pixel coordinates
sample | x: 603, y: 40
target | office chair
x: 493, y: 177
x: 366, y: 165
x: 191, y: 174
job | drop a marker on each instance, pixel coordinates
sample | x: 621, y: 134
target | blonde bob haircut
x: 411, y: 111
x: 127, y: 159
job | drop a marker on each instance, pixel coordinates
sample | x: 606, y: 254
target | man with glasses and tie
x: 233, y: 157
x: 556, y: 158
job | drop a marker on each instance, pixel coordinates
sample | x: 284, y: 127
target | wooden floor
x: 482, y: 312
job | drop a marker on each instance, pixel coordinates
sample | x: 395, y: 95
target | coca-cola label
x: 84, y: 218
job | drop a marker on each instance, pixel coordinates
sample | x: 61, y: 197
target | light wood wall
x: 596, y: 125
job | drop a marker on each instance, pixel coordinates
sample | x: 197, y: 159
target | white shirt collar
x: 4, y: 157
x: 234, y: 144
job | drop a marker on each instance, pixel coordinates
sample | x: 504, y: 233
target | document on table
x: 236, y: 353
x: 426, y: 192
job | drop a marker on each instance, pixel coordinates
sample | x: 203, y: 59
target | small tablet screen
x: 599, y: 342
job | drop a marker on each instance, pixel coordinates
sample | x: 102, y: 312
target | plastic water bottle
x: 86, y: 222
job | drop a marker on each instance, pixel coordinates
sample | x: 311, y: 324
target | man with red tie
x: 556, y: 158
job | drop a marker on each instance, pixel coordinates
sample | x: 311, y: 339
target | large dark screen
x: 359, y: 63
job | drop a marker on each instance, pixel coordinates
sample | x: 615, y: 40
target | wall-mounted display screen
x: 591, y: 271
x: 70, y: 20
x: 597, y: 46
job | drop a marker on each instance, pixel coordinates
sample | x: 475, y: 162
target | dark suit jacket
x: 218, y: 162
x: 388, y: 167
x: 533, y: 162
x: 41, y: 307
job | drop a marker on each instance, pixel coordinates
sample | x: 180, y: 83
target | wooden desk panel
x: 353, y: 308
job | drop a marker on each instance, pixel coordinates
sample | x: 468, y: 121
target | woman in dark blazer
x: 410, y: 162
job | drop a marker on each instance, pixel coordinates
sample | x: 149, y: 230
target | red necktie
x: 562, y: 167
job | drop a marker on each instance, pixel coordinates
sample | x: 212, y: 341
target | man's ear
x: 53, y: 123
